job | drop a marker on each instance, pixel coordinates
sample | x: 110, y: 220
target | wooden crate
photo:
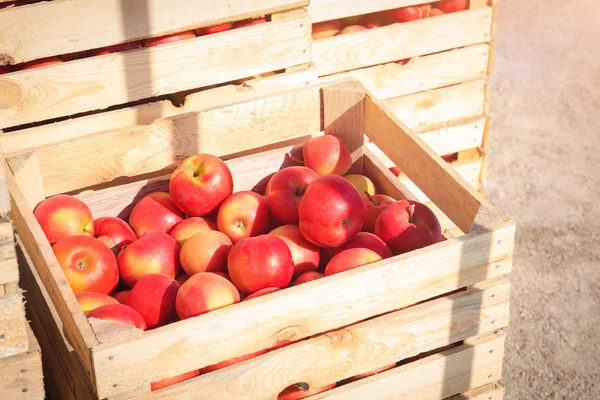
x: 352, y: 323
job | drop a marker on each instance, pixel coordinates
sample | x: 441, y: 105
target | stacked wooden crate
x: 20, y: 359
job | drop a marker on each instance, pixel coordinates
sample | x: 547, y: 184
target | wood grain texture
x: 434, y: 377
x: 456, y: 198
x: 455, y: 136
x: 163, y: 144
x: 325, y: 10
x: 420, y: 110
x: 360, y: 348
x: 385, y: 181
x: 304, y: 310
x: 9, y: 271
x: 492, y: 391
x: 13, y: 325
x: 26, y: 170
x: 21, y: 376
x: 423, y: 72
x: 399, y: 41
x: 75, y: 25
x: 99, y: 82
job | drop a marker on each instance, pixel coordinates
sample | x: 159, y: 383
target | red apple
x: 327, y: 155
x: 205, y: 252
x: 250, y: 22
x: 189, y: 227
x: 114, y: 232
x: 325, y: 29
x: 205, y: 292
x: 115, y: 49
x: 436, y: 12
x: 154, y: 253
x: 304, y: 254
x: 73, y: 56
x: 285, y: 190
x: 373, y: 20
x: 331, y: 212
x: 374, y: 205
x: 242, y: 215
x: 401, y: 62
x: 425, y: 10
x: 209, y: 30
x: 42, y: 62
x: 354, y: 20
x: 153, y: 296
x: 366, y: 240
x: 408, y: 225
x: 62, y: 216
x: 352, y: 29
x: 200, y: 184
x: 89, y: 301
x: 350, y: 259
x: 182, y: 278
x: 308, y: 277
x: 395, y: 170
x: 450, y: 6
x: 172, y: 381
x: 294, y: 392
x: 174, y: 37
x: 404, y: 14
x: 232, y: 361
x: 88, y: 264
x: 121, y: 296
x: 155, y: 212
x: 119, y: 313
x: 260, y: 262
x: 262, y: 292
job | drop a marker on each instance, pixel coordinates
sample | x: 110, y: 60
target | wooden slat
x: 420, y: 110
x: 423, y: 73
x: 400, y: 41
x: 325, y: 10
x: 434, y: 377
x: 364, y: 347
x: 76, y: 326
x: 13, y: 325
x: 21, y: 375
x: 456, y: 198
x: 150, y: 148
x: 304, y: 310
x: 492, y: 391
x: 25, y: 168
x: 9, y: 271
x: 75, y: 25
x: 99, y: 82
x: 452, y: 138
x: 383, y: 178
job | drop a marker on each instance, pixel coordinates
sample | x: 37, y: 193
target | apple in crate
x: 232, y: 361
x: 42, y: 62
x: 425, y: 10
x: 5, y: 69
x: 249, y: 22
x: 73, y: 56
x: 153, y: 297
x: 363, y: 184
x: 408, y: 225
x: 325, y: 29
x: 436, y: 12
x: 154, y: 253
x: 366, y: 240
x: 374, y: 205
x: 331, y: 212
x: 189, y: 227
x: 200, y: 184
x: 209, y: 30
x: 450, y: 6
x: 262, y: 292
x: 350, y: 259
x: 243, y: 214
x: 308, y: 277
x: 205, y: 252
x: 352, y: 29
x: 205, y: 292
x: 88, y: 264
x: 171, y: 381
x: 373, y: 20
x: 62, y: 216
x: 89, y: 301
x: 296, y: 392
x: 260, y: 262
x: 174, y: 37
x: 155, y: 212
x: 404, y: 14
x: 115, y: 49
x: 285, y: 190
x: 327, y: 155
x: 119, y: 313
x: 304, y: 254
x: 121, y: 296
x: 114, y: 232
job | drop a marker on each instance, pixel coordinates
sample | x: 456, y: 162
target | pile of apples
x: 202, y: 247
x: 359, y: 23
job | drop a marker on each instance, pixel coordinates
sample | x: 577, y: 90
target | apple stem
x: 371, y: 199
x: 411, y: 212
x: 302, y: 189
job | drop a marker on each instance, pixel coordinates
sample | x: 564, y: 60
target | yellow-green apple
x: 425, y: 10
x: 352, y: 29
x: 249, y: 22
x: 154, y: 253
x: 172, y: 381
x: 153, y: 296
x: 42, y: 62
x: 62, y: 216
x: 232, y: 361
x: 115, y: 49
x: 189, y: 227
x: 307, y: 277
x: 373, y: 20
x: 214, y: 29
x: 327, y: 155
x: 285, y: 190
x: 88, y: 264
x: 436, y: 12
x: 174, y: 37
x: 363, y: 184
x: 242, y: 215
x: 408, y: 225
x: 155, y: 212
x: 121, y: 296
x: 325, y: 29
x: 119, y: 313
x: 205, y: 252
x: 450, y: 6
x: 260, y: 262
x: 114, y: 232
x: 366, y: 240
x: 296, y: 392
x: 89, y: 301
x: 374, y: 205
x: 262, y: 292
x: 200, y: 184
x: 331, y: 212
x: 350, y: 259
x: 205, y: 292
x: 404, y: 14
x: 305, y: 255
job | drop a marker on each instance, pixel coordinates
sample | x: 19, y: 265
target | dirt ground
x: 543, y: 173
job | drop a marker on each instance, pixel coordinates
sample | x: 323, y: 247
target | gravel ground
x: 544, y: 154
